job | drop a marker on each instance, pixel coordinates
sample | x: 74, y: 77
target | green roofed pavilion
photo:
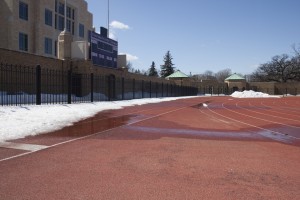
x: 234, y: 77
x: 177, y: 75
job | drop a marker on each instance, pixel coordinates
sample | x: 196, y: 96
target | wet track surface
x: 130, y: 117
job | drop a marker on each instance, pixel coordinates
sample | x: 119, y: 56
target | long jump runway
x: 198, y: 148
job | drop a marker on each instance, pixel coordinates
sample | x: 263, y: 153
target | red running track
x: 199, y: 148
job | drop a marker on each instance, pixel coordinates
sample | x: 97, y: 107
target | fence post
x: 69, y: 87
x: 150, y: 90
x: 38, y: 85
x: 156, y: 88
x: 142, y: 89
x: 123, y: 88
x: 133, y: 88
x: 162, y: 89
x: 92, y: 87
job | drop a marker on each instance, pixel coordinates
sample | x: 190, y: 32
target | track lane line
x: 237, y: 104
x: 253, y: 125
x: 282, y: 108
x: 257, y: 107
x: 259, y: 118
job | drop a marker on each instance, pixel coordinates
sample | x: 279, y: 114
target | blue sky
x: 201, y: 34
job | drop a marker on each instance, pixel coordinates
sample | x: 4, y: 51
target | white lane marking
x: 22, y: 146
x: 88, y: 136
x: 288, y: 109
x: 215, y: 118
x: 223, y: 105
x: 237, y: 105
x: 252, y: 125
x: 273, y: 111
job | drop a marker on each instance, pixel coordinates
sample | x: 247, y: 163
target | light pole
x: 65, y: 28
x: 107, y: 18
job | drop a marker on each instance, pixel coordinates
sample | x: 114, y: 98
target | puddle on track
x: 234, y: 135
x: 83, y: 128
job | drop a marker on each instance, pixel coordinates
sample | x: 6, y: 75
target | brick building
x: 33, y: 26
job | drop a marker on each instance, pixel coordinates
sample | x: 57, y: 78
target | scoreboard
x: 104, y: 51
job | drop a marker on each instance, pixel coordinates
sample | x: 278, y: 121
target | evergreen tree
x: 167, y: 68
x: 152, y: 70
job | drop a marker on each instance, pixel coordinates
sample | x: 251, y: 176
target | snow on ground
x: 21, y: 121
x: 252, y: 94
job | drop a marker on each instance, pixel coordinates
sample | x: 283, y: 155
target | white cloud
x: 114, y: 26
x: 131, y: 57
x: 118, y: 25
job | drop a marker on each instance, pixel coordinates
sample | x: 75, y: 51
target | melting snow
x: 252, y: 94
x: 21, y: 121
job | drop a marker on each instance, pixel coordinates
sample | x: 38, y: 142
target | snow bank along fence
x: 21, y: 85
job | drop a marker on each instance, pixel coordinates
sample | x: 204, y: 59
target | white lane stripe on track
x: 22, y: 146
x: 261, y: 113
x: 288, y: 109
x: 259, y: 118
x: 273, y: 111
x: 253, y: 125
x: 88, y: 136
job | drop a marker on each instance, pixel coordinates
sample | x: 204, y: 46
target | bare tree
x: 279, y: 69
x: 209, y: 75
x: 223, y: 74
x: 296, y: 50
x: 129, y: 67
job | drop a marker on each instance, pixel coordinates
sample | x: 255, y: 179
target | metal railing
x: 21, y: 85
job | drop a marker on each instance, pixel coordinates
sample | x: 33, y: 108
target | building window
x: 68, y: 25
x: 61, y: 23
x: 48, y: 46
x: 23, y: 42
x: 48, y: 17
x: 55, y: 5
x: 61, y: 8
x: 73, y: 14
x: 60, y: 17
x: 81, y: 30
x: 55, y: 48
x: 23, y: 11
x: 73, y: 29
x: 69, y: 12
x: 55, y: 21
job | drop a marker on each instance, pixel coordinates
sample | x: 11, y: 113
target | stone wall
x: 77, y: 66
x: 26, y: 59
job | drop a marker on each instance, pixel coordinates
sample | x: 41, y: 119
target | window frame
x: 48, y: 46
x: 23, y: 41
x: 23, y: 10
x: 48, y: 17
x: 61, y: 23
x: 81, y: 30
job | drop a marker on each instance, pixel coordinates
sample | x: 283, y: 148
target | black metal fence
x: 20, y: 85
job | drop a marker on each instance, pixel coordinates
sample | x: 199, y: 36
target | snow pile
x: 251, y: 94
x: 22, y: 121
